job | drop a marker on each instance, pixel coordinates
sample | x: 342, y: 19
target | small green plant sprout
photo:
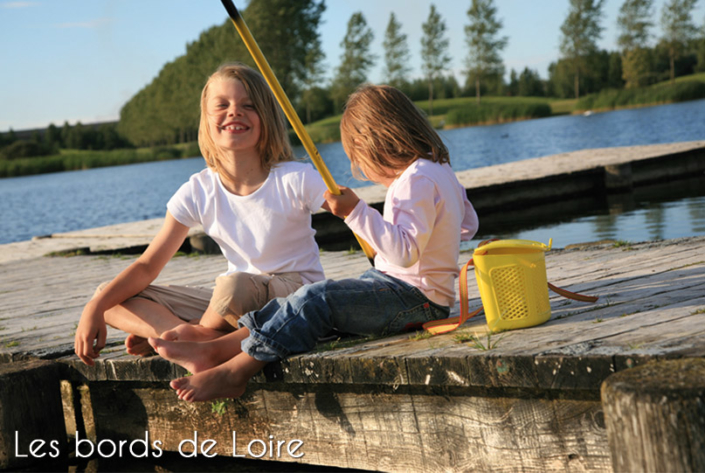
x: 598, y: 320
x: 635, y: 346
x: 420, y: 335
x: 218, y: 407
x: 13, y: 343
x: 623, y: 244
x: 463, y: 337
x: 697, y: 312
x: 352, y: 251
x: 476, y: 340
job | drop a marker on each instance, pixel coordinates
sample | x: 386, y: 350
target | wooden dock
x: 524, y: 400
x: 402, y: 403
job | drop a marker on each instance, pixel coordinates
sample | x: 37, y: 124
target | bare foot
x: 191, y: 333
x: 226, y: 380
x: 194, y: 356
x: 138, y: 346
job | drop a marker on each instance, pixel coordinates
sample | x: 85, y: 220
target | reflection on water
x: 669, y: 210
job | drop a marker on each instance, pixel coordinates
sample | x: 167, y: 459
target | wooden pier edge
x: 655, y: 416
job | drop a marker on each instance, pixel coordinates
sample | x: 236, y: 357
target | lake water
x: 61, y: 202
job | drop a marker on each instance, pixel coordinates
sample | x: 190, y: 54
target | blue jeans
x: 374, y: 304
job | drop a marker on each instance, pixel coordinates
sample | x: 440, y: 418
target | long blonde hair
x: 273, y: 146
x: 382, y: 129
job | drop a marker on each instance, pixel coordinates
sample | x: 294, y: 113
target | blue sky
x: 81, y: 60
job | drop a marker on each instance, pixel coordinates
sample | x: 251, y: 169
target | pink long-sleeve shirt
x: 426, y: 215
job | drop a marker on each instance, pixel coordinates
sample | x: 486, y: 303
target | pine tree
x: 580, y: 32
x: 678, y: 28
x: 355, y: 61
x: 481, y: 36
x: 396, y: 54
x: 434, y: 47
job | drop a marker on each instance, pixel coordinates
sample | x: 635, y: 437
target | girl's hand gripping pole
x: 289, y: 111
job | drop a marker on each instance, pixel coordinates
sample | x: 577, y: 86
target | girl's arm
x: 91, y: 332
x: 414, y: 215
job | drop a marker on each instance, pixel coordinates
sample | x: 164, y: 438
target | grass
x: 13, y: 343
x: 476, y: 341
x: 73, y: 160
x: 69, y: 253
x: 700, y: 76
x: 686, y: 88
x: 420, y: 335
x: 327, y: 130
x: 351, y: 342
x: 488, y: 113
x: 219, y: 407
x: 622, y: 244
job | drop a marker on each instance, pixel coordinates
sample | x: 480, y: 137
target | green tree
x: 314, y: 76
x: 481, y: 36
x: 65, y: 132
x: 286, y: 31
x: 678, y: 29
x: 76, y: 137
x: 513, y: 86
x: 434, y: 47
x: 638, y: 68
x: 355, y: 61
x: 166, y: 110
x: 579, y: 34
x: 615, y: 71
x: 53, y: 136
x: 700, y: 51
x: 396, y: 54
x: 530, y: 84
x: 634, y: 23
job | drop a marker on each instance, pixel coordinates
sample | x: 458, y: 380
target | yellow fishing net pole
x: 289, y: 111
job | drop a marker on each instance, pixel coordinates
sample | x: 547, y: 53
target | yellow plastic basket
x: 511, y: 276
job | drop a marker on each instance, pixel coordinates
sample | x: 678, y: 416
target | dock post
x: 655, y: 416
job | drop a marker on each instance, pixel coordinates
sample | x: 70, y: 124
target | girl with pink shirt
x: 416, y: 239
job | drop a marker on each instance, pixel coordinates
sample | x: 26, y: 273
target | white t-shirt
x: 268, y: 231
x: 426, y: 215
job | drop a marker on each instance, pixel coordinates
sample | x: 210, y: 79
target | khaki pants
x: 233, y: 296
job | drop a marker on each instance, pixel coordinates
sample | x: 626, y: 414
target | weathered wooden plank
x: 437, y: 429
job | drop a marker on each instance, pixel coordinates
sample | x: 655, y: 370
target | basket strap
x: 572, y: 295
x: 451, y: 323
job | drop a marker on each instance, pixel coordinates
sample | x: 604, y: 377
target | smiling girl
x: 252, y: 199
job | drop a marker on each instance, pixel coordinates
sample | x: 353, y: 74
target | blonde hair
x: 382, y: 129
x: 273, y: 146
